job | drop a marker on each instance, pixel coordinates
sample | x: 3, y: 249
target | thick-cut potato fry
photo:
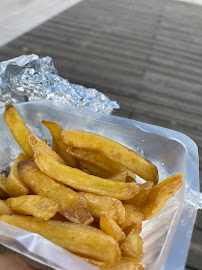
x: 72, y: 205
x: 110, y: 227
x: 5, y: 209
x: 54, y: 146
x: 125, y: 176
x: 96, y: 159
x: 39, y: 145
x: 161, y: 193
x: 3, y: 181
x: 112, y: 150
x: 99, y: 205
x: 45, y: 141
x: 56, y: 131
x: 125, y: 263
x: 140, y: 199
x: 77, y: 238
x: 15, y: 186
x: 18, y: 128
x: 93, y: 170
x: 133, y: 245
x: 33, y: 205
x: 82, y: 181
x: 134, y: 217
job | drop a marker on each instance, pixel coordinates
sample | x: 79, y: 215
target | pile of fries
x: 82, y: 193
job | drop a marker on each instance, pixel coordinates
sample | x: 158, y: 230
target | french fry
x: 92, y: 261
x: 33, y: 205
x: 161, y: 193
x: 93, y: 170
x: 99, y: 205
x: 125, y: 263
x: 125, y: 176
x: 54, y: 146
x: 56, y: 131
x: 133, y: 245
x: 15, y: 186
x: 72, y: 205
x: 112, y: 150
x: 77, y: 238
x: 134, y: 217
x: 45, y: 141
x: 5, y: 209
x: 82, y: 181
x: 18, y: 128
x: 110, y: 227
x: 140, y: 199
x: 39, y: 145
x: 3, y: 181
x: 96, y: 159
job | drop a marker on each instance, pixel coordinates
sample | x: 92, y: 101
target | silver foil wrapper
x: 29, y: 77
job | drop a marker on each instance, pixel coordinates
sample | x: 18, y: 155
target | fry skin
x: 18, y: 128
x: 39, y: 145
x: 112, y: 150
x: 110, y: 227
x: 59, y: 146
x: 5, y: 209
x: 82, y: 181
x: 72, y: 205
x: 34, y: 205
x: 134, y: 217
x: 77, y: 238
x: 96, y: 159
x: 160, y: 193
x: 140, y: 199
x: 133, y: 245
x: 3, y: 181
x: 125, y: 263
x: 99, y: 205
x: 84, y: 166
x: 15, y: 186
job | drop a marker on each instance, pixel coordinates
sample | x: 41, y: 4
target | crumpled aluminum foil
x: 29, y: 77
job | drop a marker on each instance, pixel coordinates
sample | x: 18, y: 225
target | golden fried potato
x: 140, y: 199
x: 92, y: 170
x: 39, y: 145
x: 133, y: 245
x: 54, y: 146
x: 161, y: 193
x: 77, y: 238
x: 60, y: 147
x: 72, y: 205
x: 110, y: 227
x: 33, y: 205
x: 3, y: 181
x: 92, y: 261
x: 125, y: 176
x: 99, y: 205
x: 5, y: 209
x: 18, y: 128
x: 112, y: 150
x: 15, y: 185
x: 82, y: 181
x: 125, y: 263
x: 45, y: 141
x: 96, y: 159
x: 134, y: 217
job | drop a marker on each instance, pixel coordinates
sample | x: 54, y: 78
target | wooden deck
x: 147, y: 55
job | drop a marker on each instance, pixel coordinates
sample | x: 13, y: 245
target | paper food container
x: 167, y: 236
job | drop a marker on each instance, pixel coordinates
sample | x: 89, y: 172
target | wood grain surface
x: 147, y: 55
